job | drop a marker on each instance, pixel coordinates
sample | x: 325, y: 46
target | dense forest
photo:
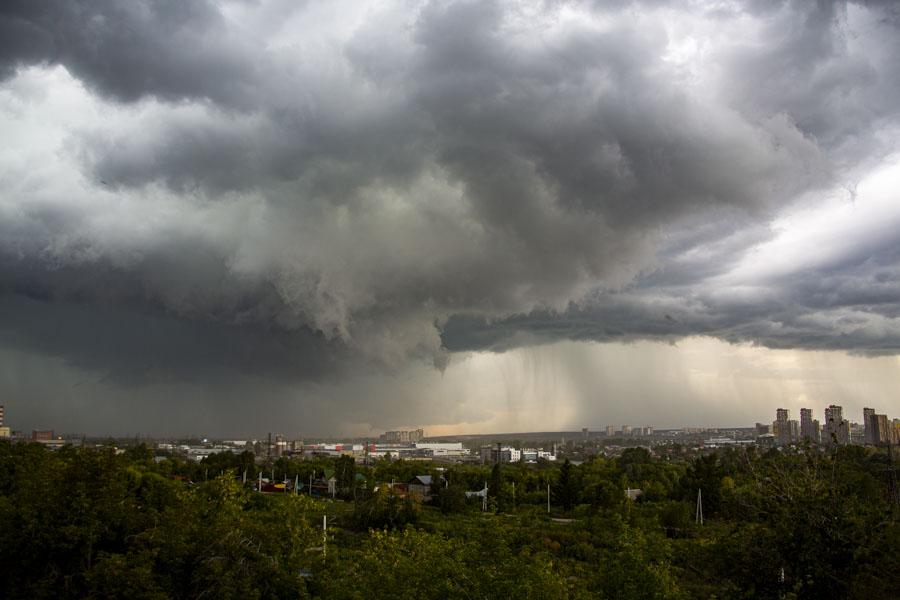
x: 97, y: 523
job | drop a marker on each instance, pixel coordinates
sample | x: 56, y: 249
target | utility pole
x: 892, y: 476
x: 698, y: 516
x: 548, y: 498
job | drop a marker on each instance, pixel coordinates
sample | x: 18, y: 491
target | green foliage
x: 386, y: 508
x: 605, y: 494
x: 566, y: 489
x: 497, y: 498
x: 345, y: 473
x: 636, y: 568
x: 451, y: 498
x: 81, y: 523
x: 704, y: 474
x: 413, y: 563
x: 228, y: 462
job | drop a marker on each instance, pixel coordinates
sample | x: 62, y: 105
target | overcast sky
x: 329, y: 217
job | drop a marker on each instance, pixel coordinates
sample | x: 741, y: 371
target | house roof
x: 422, y: 479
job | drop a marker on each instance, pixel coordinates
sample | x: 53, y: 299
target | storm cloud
x: 303, y: 191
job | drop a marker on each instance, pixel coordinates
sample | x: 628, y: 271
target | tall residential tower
x: 837, y: 430
x: 809, y: 427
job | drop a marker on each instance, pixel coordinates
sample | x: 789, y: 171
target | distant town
x: 527, y: 447
x: 681, y: 513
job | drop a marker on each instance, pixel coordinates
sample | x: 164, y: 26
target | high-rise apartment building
x: 781, y: 427
x: 868, y: 425
x: 881, y: 429
x: 402, y: 436
x: 837, y: 430
x: 809, y: 427
x: 805, y: 420
x: 793, y: 430
x: 281, y: 444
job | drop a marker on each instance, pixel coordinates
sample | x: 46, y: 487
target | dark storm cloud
x: 263, y: 172
x: 132, y: 348
x: 128, y: 50
x: 838, y: 83
x: 845, y: 298
x: 590, y: 118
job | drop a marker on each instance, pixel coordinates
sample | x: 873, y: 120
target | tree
x: 606, y: 494
x: 384, y: 509
x: 451, y: 498
x: 345, y: 473
x: 495, y: 488
x: 705, y: 473
x: 565, y: 491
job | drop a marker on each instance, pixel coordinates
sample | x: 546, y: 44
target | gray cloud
x: 132, y: 348
x: 172, y: 50
x: 814, y: 293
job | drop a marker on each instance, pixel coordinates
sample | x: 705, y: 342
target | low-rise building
x: 42, y: 435
x: 421, y: 485
x: 504, y: 454
x: 442, y: 449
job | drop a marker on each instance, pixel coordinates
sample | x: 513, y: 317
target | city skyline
x: 784, y: 430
